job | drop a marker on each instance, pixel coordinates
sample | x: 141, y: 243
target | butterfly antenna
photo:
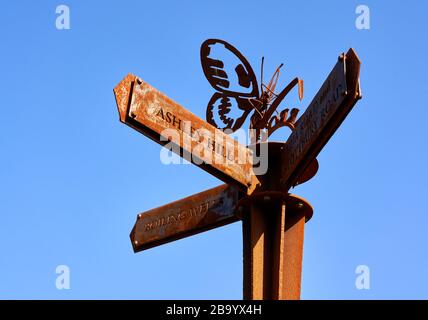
x: 261, y: 75
x: 254, y: 107
x: 272, y: 83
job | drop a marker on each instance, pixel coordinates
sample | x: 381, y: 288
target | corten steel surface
x: 270, y: 181
x: 155, y: 115
x: 273, y: 219
x: 328, y: 109
x: 200, y: 212
x: 273, y: 232
x: 244, y: 91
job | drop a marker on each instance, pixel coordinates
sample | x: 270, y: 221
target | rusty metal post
x: 273, y: 219
x: 262, y: 250
x: 292, y: 256
x: 273, y: 232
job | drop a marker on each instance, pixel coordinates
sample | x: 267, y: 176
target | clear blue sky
x: 73, y: 178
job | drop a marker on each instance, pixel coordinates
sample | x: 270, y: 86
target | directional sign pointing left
x: 183, y: 218
x: 152, y: 113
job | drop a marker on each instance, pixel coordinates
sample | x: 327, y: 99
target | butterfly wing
x: 235, y: 82
x: 220, y: 111
x: 236, y: 77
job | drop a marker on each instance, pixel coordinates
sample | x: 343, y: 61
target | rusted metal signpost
x: 273, y: 220
x: 203, y: 211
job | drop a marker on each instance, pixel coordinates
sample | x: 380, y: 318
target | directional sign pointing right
x: 330, y: 106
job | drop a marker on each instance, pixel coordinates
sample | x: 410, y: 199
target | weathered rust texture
x: 273, y: 226
x: 273, y: 232
x: 273, y: 219
x: 270, y: 181
x: 296, y: 213
x: 328, y: 109
x: 151, y: 112
x: 183, y: 218
x: 263, y: 103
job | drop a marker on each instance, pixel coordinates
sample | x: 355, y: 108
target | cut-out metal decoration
x: 273, y: 220
x: 246, y: 94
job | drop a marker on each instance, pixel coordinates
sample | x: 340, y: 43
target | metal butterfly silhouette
x: 247, y: 96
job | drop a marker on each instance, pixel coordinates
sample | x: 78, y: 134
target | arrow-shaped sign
x: 200, y: 212
x: 330, y: 106
x: 152, y: 113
